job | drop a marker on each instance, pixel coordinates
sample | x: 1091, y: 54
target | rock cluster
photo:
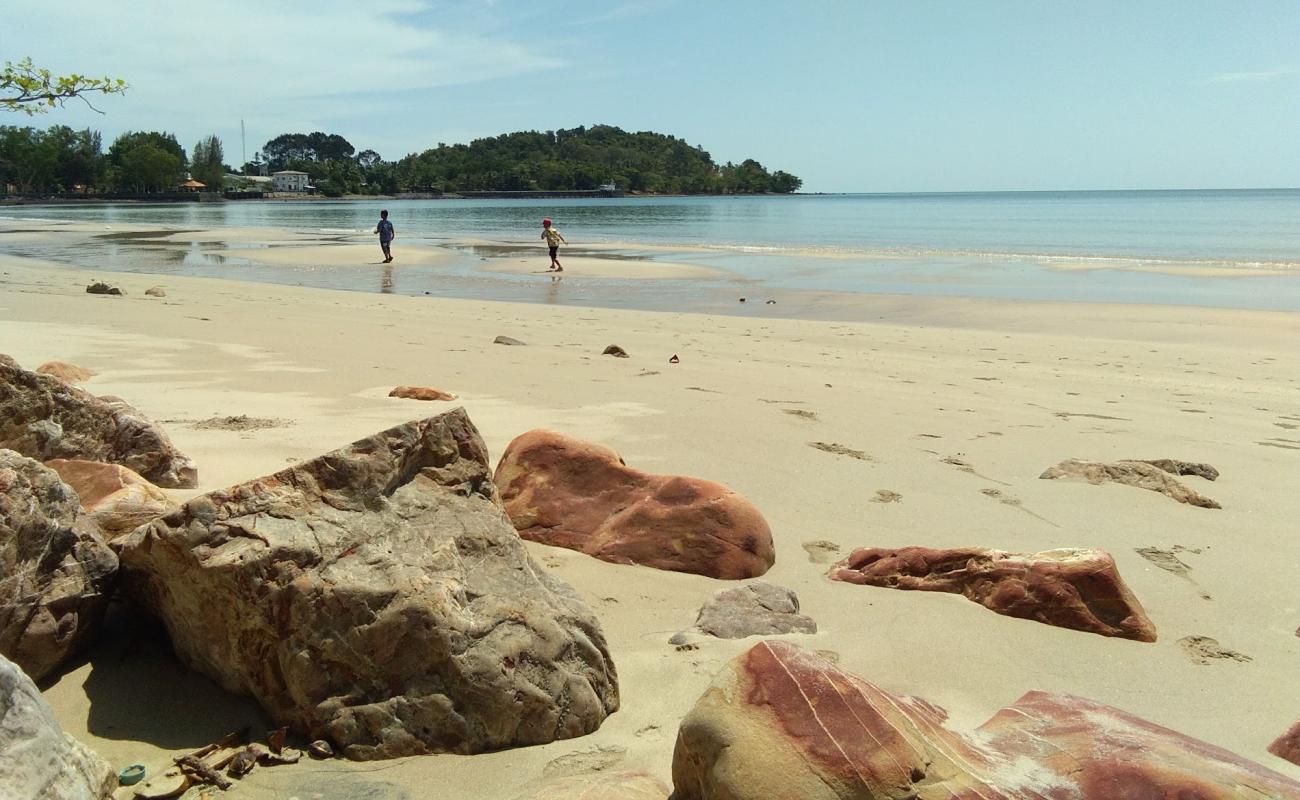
x: 1140, y: 474
x: 570, y: 493
x: 43, y: 417
x: 779, y: 721
x: 1070, y: 588
x: 56, y: 574
x: 37, y: 759
x: 377, y: 597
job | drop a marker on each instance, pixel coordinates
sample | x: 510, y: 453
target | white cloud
x: 1254, y: 77
x: 198, y: 66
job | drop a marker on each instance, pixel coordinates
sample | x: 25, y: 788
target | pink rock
x: 1069, y: 588
x: 118, y: 498
x: 570, y: 493
x: 65, y: 371
x: 421, y: 393
x: 1287, y: 745
x: 781, y: 722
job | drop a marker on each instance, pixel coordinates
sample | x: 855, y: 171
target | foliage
x: 585, y: 158
x: 33, y: 90
x: 55, y: 160
x: 145, y: 161
x: 206, y: 164
x: 292, y: 150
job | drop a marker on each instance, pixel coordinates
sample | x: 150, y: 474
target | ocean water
x: 1229, y: 248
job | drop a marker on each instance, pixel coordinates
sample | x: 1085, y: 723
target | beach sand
x: 1006, y: 388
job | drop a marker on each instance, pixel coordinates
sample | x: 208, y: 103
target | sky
x: 850, y: 95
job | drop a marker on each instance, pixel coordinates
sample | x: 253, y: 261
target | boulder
x: 378, y: 598
x: 1069, y: 588
x: 56, y: 574
x: 758, y: 608
x: 781, y: 722
x: 601, y: 786
x: 43, y: 417
x: 70, y: 373
x: 8, y: 361
x: 570, y: 493
x: 38, y: 761
x: 1287, y: 746
x: 1130, y: 473
x: 119, y: 499
x: 1176, y: 467
x: 99, y: 287
x: 421, y: 393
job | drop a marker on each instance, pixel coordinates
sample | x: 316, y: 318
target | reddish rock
x: 1287, y: 745
x: 421, y: 393
x: 65, y: 371
x: 781, y: 722
x: 119, y: 499
x: 1069, y: 588
x: 575, y: 494
x: 44, y: 418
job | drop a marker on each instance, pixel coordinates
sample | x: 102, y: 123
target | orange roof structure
x: 192, y: 184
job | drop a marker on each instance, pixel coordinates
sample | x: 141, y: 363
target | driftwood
x: 198, y: 770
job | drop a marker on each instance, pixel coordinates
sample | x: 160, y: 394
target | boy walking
x: 386, y: 235
x: 553, y: 239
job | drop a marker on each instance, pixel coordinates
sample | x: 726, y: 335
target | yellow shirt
x: 552, y: 236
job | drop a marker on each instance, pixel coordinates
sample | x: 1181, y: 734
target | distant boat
x: 608, y: 187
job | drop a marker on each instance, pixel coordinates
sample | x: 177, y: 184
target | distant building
x: 289, y: 180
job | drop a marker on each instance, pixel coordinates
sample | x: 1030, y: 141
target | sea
x: 1219, y: 248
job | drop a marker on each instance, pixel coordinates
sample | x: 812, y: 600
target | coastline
x: 1008, y: 387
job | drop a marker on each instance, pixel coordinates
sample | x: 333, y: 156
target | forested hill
x: 586, y: 158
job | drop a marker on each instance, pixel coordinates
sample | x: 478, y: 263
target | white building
x: 289, y: 180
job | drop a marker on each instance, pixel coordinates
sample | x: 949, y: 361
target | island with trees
x: 60, y: 161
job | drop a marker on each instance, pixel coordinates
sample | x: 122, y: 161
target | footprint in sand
x: 1204, y: 650
x: 1014, y: 502
x: 821, y: 551
x: 887, y: 496
x: 839, y: 450
x: 799, y: 412
x: 1169, y: 561
x: 965, y: 466
x: 578, y: 762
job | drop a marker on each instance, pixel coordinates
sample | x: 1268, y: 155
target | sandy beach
x: 954, y: 405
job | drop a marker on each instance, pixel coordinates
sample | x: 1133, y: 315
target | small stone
x: 421, y: 393
x: 155, y: 291
x: 681, y: 637
x: 508, y: 340
x: 614, y: 350
x: 99, y: 287
x: 758, y: 608
x: 320, y: 749
x: 674, y: 359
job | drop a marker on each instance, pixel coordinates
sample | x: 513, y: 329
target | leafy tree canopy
x: 30, y: 89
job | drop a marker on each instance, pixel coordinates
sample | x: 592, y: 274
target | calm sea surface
x: 1118, y: 246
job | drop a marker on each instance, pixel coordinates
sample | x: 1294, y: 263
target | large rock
x: 38, y: 761
x: 1131, y: 473
x: 43, y: 417
x: 575, y: 494
x: 56, y: 574
x: 377, y: 597
x: 119, y: 499
x: 758, y: 608
x: 69, y: 373
x: 1287, y: 745
x: 780, y: 722
x: 1070, y: 588
x: 1176, y: 467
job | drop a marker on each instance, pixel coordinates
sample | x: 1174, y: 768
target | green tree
x: 30, y: 89
x: 147, y: 168
x: 206, y: 162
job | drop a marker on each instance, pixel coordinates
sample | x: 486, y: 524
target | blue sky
x: 851, y: 96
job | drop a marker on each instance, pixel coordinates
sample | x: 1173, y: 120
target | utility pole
x: 243, y: 145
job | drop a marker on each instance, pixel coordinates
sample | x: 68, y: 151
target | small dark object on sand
x: 506, y: 340
x: 614, y: 350
x: 320, y: 749
x: 243, y: 763
x: 771, y: 302
x: 102, y: 288
x: 674, y: 359
x: 742, y: 299
x: 275, y: 739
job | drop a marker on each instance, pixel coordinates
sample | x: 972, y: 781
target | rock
x: 674, y: 359
x: 155, y: 291
x: 119, y: 499
x: 320, y: 749
x: 1069, y: 588
x: 8, y: 361
x: 507, y: 340
x: 37, y: 759
x: 377, y: 597
x: 44, y: 418
x: 103, y: 288
x: 758, y: 608
x: 602, y: 786
x: 614, y: 350
x: 1130, y: 473
x: 1287, y: 746
x: 70, y: 373
x: 570, y: 493
x: 1175, y: 467
x: 56, y: 574
x: 782, y: 722
x: 421, y: 393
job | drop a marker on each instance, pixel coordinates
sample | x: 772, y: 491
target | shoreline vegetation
x: 60, y: 161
